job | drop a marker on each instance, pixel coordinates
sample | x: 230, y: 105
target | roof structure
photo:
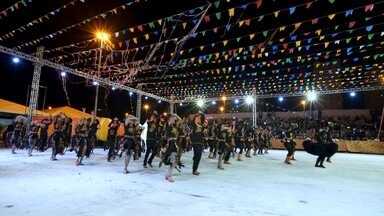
x: 69, y: 111
x: 209, y: 48
x: 15, y: 108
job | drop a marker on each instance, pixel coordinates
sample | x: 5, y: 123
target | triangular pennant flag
x: 241, y: 23
x: 218, y: 15
x: 276, y: 13
x: 282, y: 28
x: 331, y: 1
x: 292, y: 10
x: 318, y: 32
x: 348, y: 40
x: 151, y: 25
x: 216, y: 4
x: 315, y: 21
x: 265, y: 33
x: 351, y: 24
x: 184, y: 25
x: 297, y: 25
x: 331, y: 16
x: 369, y: 28
x: 308, y: 5
x: 207, y: 18
x: 231, y: 12
x: 225, y: 42
x: 326, y: 44
x: 258, y: 3
x: 349, y: 13
x: 260, y: 18
x: 251, y: 36
x: 369, y: 7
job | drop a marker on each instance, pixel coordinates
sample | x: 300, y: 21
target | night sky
x: 16, y: 78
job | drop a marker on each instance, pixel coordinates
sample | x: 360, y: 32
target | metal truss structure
x: 34, y: 95
x: 87, y: 76
x: 295, y: 94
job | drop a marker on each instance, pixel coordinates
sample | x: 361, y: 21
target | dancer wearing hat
x: 152, y: 139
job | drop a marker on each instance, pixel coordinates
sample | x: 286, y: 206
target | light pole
x: 303, y: 102
x: 103, y: 37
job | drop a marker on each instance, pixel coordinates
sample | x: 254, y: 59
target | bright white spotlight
x: 113, y: 88
x: 146, y: 97
x: 159, y: 101
x: 312, y: 96
x: 352, y: 94
x: 15, y: 60
x: 130, y: 93
x: 281, y: 99
x: 237, y: 101
x: 213, y: 102
x: 181, y: 104
x: 249, y: 100
x: 63, y: 74
x: 95, y: 83
x: 200, y: 103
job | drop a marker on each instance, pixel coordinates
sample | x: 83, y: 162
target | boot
x: 79, y: 161
x: 196, y: 173
x: 239, y: 157
x: 168, y: 176
x: 126, y: 163
x: 220, y: 162
x: 210, y: 156
x: 53, y: 158
x: 287, y: 160
x: 248, y: 155
x: 329, y: 160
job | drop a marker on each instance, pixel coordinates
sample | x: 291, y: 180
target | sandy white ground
x: 263, y: 185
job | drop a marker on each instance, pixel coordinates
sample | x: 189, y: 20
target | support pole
x: 254, y: 109
x: 381, y: 124
x: 172, y: 105
x: 34, y: 95
x: 138, y: 107
x: 98, y: 76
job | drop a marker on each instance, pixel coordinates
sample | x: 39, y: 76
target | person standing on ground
x: 197, y: 137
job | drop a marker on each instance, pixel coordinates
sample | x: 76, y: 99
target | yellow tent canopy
x: 102, y: 133
x: 68, y: 111
x: 15, y: 108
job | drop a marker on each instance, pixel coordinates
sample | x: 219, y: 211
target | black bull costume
x: 321, y: 150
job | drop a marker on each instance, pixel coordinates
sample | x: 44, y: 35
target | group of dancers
x: 168, y: 137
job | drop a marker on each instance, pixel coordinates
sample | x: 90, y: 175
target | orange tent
x: 15, y: 108
x: 69, y: 111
